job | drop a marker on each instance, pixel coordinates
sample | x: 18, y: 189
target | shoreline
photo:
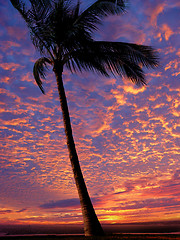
x: 81, y: 234
x: 155, y: 228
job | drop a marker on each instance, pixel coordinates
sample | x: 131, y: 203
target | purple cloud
x: 66, y: 203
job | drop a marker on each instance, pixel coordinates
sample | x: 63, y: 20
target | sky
x: 127, y: 137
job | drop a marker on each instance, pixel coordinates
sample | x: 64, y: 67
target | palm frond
x: 58, y: 21
x: 20, y: 6
x: 39, y: 71
x: 35, y: 18
x: 60, y: 31
x: 140, y: 54
x: 39, y: 3
x: 105, y: 7
x: 76, y: 10
x: 82, y: 61
x: 94, y: 14
x: 123, y: 59
x: 105, y: 65
x: 39, y: 10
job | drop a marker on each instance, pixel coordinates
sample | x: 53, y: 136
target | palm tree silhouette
x: 62, y: 33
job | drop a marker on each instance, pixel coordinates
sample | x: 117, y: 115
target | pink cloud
x: 18, y: 33
x: 5, y: 45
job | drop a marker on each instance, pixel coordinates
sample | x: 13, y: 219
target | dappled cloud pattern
x: 127, y: 137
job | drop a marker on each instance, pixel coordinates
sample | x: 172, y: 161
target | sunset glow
x: 127, y: 137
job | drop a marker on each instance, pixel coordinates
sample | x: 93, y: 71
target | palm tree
x: 62, y: 33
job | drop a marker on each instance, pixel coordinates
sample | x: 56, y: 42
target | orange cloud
x: 5, y: 79
x: 166, y: 31
x: 178, y: 52
x: 133, y: 90
x: 172, y: 64
x: 10, y: 66
x: 155, y: 13
x: 120, y: 98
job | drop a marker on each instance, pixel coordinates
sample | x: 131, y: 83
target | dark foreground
x: 116, y: 236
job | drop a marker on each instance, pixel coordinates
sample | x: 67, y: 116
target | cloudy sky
x: 127, y: 137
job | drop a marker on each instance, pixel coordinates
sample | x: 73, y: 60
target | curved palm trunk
x: 92, y: 225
